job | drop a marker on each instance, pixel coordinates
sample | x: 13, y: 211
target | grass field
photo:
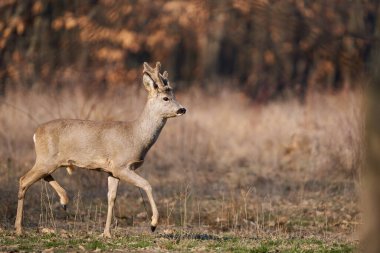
x: 229, y: 176
x: 187, y: 241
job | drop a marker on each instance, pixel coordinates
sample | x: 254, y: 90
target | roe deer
x: 117, y: 148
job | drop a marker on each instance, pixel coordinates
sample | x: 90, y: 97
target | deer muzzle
x: 181, y: 111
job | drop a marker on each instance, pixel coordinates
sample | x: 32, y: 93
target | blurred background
x: 265, y: 48
x: 274, y: 92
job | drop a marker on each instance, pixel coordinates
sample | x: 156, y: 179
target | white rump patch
x: 34, y: 138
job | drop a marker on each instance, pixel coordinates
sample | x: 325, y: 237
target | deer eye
x: 166, y: 99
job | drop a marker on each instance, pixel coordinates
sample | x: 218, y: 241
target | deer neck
x: 149, y: 125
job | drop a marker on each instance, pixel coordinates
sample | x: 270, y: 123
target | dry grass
x: 227, y: 165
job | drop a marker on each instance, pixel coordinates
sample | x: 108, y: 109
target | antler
x: 154, y: 73
x: 158, y: 68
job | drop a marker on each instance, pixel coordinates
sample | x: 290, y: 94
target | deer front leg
x: 133, y: 178
x: 113, y: 183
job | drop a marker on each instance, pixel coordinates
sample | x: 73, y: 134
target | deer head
x: 161, y: 98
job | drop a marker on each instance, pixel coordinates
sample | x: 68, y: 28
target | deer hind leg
x: 63, y: 198
x: 36, y: 173
x: 113, y: 184
x: 132, y: 177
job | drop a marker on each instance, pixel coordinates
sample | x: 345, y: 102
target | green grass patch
x: 182, y: 242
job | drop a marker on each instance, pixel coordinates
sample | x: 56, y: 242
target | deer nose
x: 181, y: 111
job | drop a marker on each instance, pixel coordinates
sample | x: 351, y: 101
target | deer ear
x: 149, y: 84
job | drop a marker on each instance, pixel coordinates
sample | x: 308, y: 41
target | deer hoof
x: 64, y: 207
x: 19, y: 232
x: 106, y: 235
x: 153, y: 228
